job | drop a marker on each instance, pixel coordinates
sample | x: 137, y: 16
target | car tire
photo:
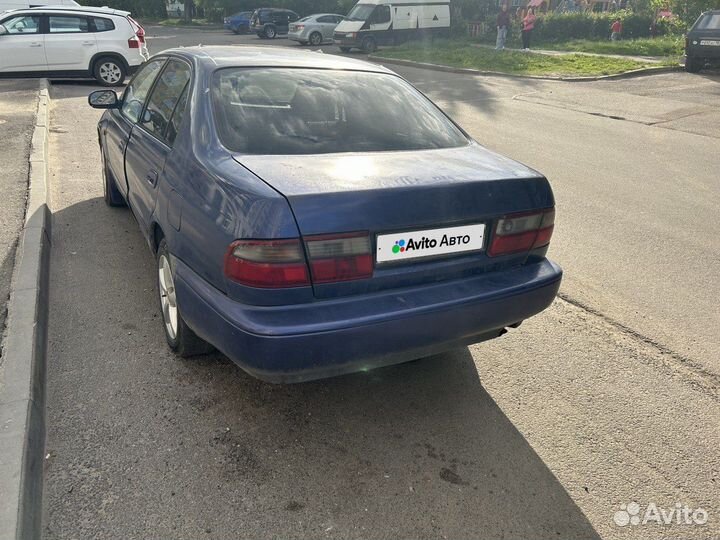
x: 315, y: 39
x: 693, y: 65
x: 270, y: 32
x: 111, y: 193
x: 260, y: 35
x: 345, y: 49
x: 109, y: 71
x: 369, y: 45
x: 181, y: 339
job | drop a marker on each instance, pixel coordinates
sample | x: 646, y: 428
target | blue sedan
x: 238, y: 23
x: 313, y: 215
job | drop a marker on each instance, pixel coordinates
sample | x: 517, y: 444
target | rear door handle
x: 151, y: 177
x: 36, y: 44
x: 88, y: 43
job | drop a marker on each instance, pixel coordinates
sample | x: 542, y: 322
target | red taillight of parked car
x: 339, y: 257
x: 282, y: 263
x: 267, y: 263
x: 522, y: 232
x: 138, y: 39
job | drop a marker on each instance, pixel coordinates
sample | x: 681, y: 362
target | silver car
x: 315, y: 29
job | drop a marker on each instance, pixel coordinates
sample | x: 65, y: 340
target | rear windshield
x: 710, y: 21
x: 309, y: 111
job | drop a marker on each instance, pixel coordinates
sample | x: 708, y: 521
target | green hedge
x: 138, y: 8
x: 593, y: 26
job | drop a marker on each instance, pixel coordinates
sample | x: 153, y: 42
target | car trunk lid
x: 388, y: 193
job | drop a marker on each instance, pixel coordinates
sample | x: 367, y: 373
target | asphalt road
x: 610, y: 396
x: 18, y: 103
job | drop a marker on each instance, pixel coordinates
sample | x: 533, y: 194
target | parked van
x: 388, y: 22
x: 6, y: 5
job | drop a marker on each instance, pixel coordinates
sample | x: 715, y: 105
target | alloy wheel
x: 168, y: 299
x: 110, y: 72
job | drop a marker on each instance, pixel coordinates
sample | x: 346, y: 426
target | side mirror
x: 3, y: 30
x: 104, y: 99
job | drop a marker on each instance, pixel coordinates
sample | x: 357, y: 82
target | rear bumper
x: 326, y: 338
x: 298, y: 36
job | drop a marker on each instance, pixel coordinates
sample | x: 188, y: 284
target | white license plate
x: 711, y: 42
x: 403, y: 246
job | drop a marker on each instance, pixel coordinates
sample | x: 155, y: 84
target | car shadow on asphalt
x: 409, y: 451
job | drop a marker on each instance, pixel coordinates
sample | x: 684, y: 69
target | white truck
x: 388, y: 22
x: 6, y: 5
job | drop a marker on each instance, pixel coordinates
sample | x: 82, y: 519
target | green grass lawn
x: 461, y: 54
x: 661, y: 46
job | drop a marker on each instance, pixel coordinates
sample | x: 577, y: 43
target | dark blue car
x: 238, y: 23
x: 313, y: 215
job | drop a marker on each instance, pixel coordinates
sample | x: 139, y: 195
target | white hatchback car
x: 103, y: 43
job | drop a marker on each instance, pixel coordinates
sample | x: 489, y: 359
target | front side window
x: 165, y: 97
x: 177, y: 117
x: 23, y: 24
x: 308, y: 111
x: 381, y: 15
x: 65, y: 24
x: 137, y: 91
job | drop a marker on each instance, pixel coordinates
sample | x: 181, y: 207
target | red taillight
x: 299, y: 27
x: 267, y: 263
x: 522, y: 232
x: 281, y: 263
x: 339, y: 257
x: 134, y: 42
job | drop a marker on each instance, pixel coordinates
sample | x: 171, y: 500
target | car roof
x: 276, y: 57
x: 80, y: 9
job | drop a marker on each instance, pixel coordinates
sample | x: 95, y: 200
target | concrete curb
x: 450, y: 69
x: 22, y: 379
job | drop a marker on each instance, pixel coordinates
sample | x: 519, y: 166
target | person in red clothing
x: 528, y: 23
x: 616, y: 30
x: 503, y: 27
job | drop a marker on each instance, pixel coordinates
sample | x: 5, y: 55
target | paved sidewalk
x: 18, y: 101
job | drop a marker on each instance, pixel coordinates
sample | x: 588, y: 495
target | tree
x: 189, y: 10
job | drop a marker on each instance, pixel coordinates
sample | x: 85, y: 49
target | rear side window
x: 326, y: 19
x: 137, y: 91
x: 711, y: 21
x: 308, y: 111
x: 61, y: 24
x: 165, y: 97
x: 103, y: 25
x: 23, y: 24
